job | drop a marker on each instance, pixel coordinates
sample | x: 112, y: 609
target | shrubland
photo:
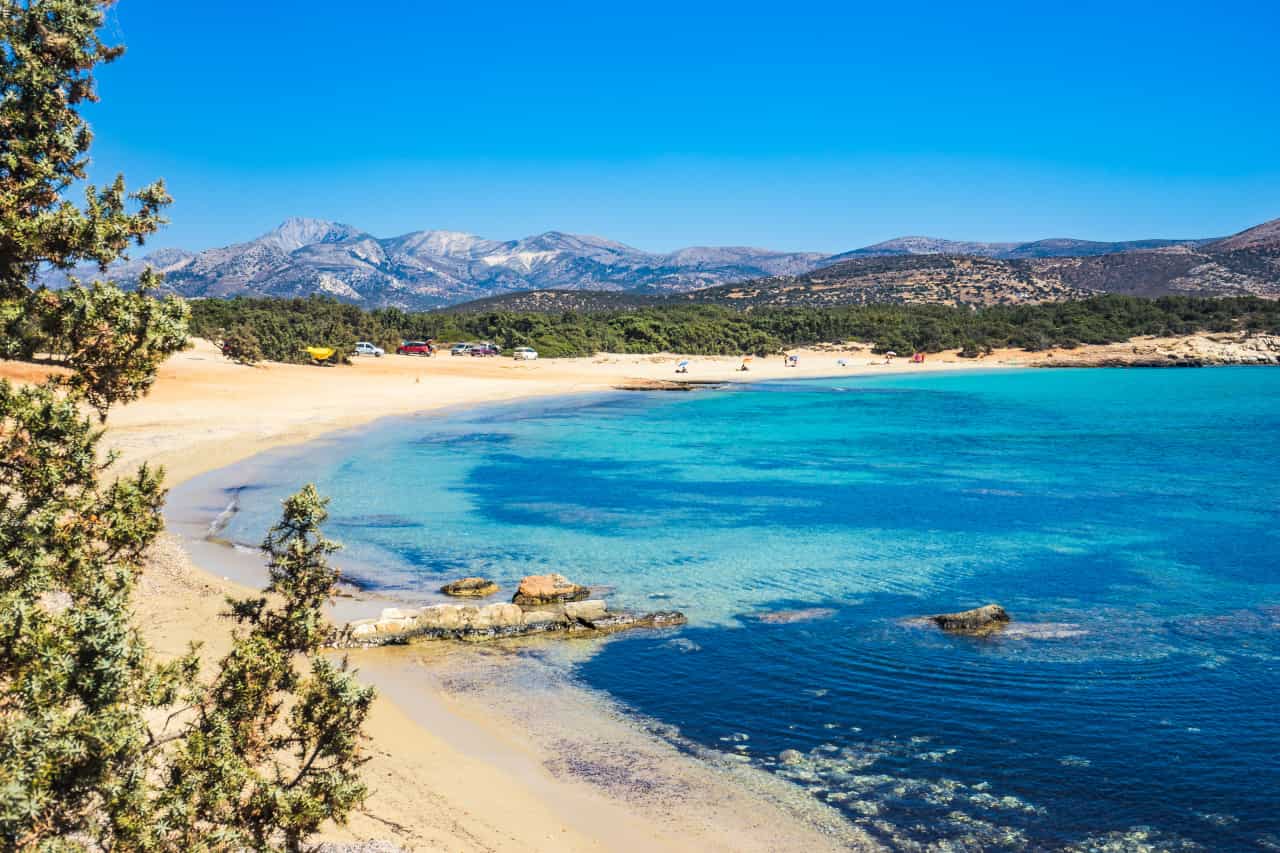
x: 282, y: 327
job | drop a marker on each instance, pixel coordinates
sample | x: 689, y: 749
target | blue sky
x: 818, y: 126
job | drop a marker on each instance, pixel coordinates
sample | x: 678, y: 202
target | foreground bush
x: 101, y: 746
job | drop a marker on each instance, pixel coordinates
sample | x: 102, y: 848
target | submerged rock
x: 786, y: 617
x: 470, y: 588
x: 1261, y: 620
x: 548, y: 589
x: 1043, y: 631
x: 791, y: 756
x: 622, y: 621
x: 979, y: 620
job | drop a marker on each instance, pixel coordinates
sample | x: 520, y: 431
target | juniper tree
x: 274, y: 752
x: 241, y: 345
x: 80, y: 766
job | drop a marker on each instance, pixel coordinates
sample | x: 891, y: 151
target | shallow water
x: 1127, y: 518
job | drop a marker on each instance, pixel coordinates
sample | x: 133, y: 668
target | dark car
x: 415, y: 348
x: 484, y: 350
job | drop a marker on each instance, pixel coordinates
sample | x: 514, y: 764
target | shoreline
x: 494, y: 791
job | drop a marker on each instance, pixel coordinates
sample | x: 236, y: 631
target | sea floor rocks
x: 786, y: 617
x: 548, y: 589
x: 496, y: 621
x: 470, y: 588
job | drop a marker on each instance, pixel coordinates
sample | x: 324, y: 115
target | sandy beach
x: 458, y: 761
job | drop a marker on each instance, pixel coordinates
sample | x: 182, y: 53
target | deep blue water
x: 1128, y: 519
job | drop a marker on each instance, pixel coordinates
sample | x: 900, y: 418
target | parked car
x: 416, y: 348
x: 366, y: 348
x: 524, y: 354
x: 484, y: 350
x: 460, y: 349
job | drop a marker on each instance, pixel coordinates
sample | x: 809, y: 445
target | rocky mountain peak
x: 298, y: 231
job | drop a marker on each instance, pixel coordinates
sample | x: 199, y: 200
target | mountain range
x: 431, y: 269
x: 427, y: 269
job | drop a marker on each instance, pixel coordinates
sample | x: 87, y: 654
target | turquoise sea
x: 1128, y: 519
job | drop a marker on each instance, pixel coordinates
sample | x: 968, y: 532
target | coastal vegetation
x: 102, y: 745
x: 282, y: 327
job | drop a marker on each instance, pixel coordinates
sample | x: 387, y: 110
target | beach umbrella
x: 891, y: 354
x: 683, y: 364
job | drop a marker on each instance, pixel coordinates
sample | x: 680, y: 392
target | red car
x: 415, y: 348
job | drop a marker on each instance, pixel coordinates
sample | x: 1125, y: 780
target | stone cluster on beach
x: 544, y: 604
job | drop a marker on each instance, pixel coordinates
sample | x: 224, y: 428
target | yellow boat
x: 320, y: 353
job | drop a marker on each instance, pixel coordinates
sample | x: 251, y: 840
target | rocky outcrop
x: 979, y: 621
x: 536, y: 590
x: 470, y: 588
x: 1200, y: 350
x: 496, y: 621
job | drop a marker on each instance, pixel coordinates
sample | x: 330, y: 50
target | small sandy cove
x: 458, y: 769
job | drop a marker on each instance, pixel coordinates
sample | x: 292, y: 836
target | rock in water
x: 495, y: 621
x: 610, y: 622
x: 586, y: 611
x: 470, y: 588
x: 548, y: 589
x: 980, y: 620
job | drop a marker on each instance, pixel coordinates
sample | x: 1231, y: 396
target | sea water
x: 1129, y: 520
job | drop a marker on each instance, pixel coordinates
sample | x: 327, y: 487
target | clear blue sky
x: 796, y: 126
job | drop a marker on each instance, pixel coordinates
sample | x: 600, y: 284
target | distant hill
x: 1066, y: 247
x: 945, y: 279
x: 1244, y: 264
x: 1264, y: 236
x: 1054, y: 247
x: 924, y: 246
x: 434, y: 269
